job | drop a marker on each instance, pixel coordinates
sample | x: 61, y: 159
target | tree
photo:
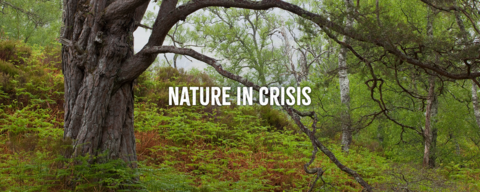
x: 430, y: 131
x: 306, y: 51
x: 99, y: 65
x: 424, y: 51
x: 245, y: 39
x: 31, y: 21
x: 344, y: 83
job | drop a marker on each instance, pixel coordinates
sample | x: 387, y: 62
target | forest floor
x: 196, y: 148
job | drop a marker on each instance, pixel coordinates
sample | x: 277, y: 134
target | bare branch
x: 143, y: 26
x: 169, y: 15
x: 291, y: 111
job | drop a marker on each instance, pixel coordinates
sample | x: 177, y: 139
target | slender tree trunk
x: 345, y: 85
x: 289, y: 54
x: 433, y: 146
x: 476, y: 111
x: 380, y: 133
x: 476, y: 107
x: 430, y: 132
x: 304, y: 66
x: 98, y: 111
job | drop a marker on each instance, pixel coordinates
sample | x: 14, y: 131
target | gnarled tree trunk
x: 98, y: 109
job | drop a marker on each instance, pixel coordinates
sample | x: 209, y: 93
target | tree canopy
x: 391, y: 75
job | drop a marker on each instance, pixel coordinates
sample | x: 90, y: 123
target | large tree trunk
x: 345, y: 85
x: 98, y: 110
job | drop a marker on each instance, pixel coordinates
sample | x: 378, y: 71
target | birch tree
x: 99, y: 64
x: 344, y: 83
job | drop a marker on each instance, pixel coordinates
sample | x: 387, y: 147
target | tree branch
x: 447, y: 9
x: 290, y: 110
x: 169, y: 15
x: 139, y: 13
x: 31, y: 15
x: 143, y: 26
x: 121, y: 7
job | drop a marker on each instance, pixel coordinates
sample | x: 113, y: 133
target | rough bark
x: 99, y: 65
x: 345, y: 85
x: 98, y: 110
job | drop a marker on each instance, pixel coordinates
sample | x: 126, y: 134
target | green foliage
x: 241, y: 148
x: 166, y: 179
x: 153, y: 84
x: 31, y: 21
x: 30, y: 74
x: 8, y: 68
x: 114, y: 174
x: 244, y: 38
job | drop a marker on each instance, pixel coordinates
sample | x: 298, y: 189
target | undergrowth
x: 197, y: 148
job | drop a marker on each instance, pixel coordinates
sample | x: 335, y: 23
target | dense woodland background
x: 250, y: 148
